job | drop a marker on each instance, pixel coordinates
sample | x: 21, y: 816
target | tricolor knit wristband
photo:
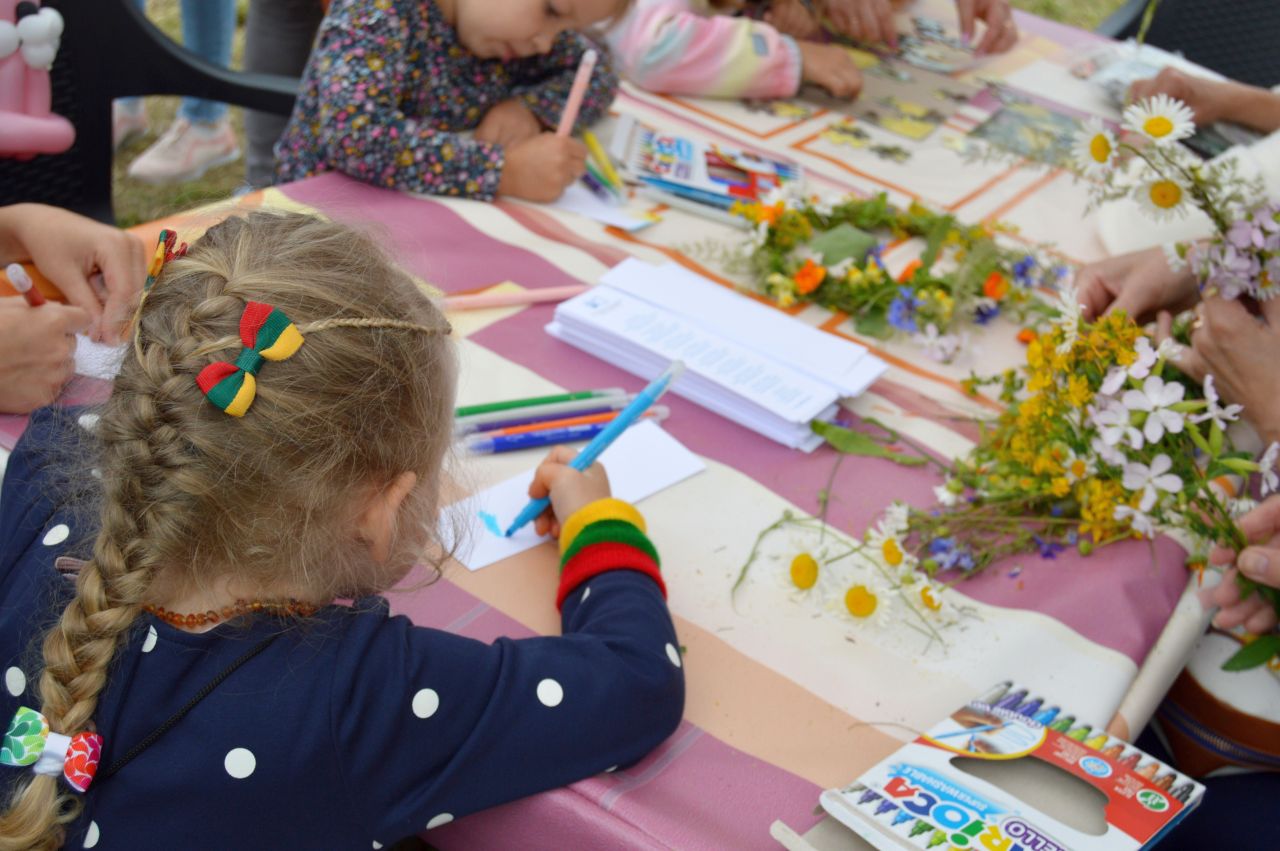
x: 601, y: 509
x: 604, y: 536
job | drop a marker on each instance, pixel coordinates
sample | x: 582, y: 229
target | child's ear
x: 376, y: 522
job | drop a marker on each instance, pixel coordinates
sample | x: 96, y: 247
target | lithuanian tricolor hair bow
x: 29, y: 741
x: 267, y: 334
x: 167, y: 248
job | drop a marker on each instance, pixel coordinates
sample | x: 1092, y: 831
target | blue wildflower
x: 984, y: 313
x: 950, y: 555
x: 1022, y: 271
x: 902, y: 312
x: 1048, y: 549
x: 875, y: 255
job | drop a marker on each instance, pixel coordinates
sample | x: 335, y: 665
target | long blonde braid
x: 187, y: 490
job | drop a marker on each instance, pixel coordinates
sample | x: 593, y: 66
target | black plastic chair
x: 1236, y: 38
x: 110, y: 50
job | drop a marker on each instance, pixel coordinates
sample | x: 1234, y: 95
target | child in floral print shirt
x: 393, y: 84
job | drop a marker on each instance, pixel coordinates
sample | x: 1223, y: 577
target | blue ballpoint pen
x: 602, y: 441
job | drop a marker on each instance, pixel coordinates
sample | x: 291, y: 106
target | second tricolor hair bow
x: 267, y: 334
x: 30, y: 742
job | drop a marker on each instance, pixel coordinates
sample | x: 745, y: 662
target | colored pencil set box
x: 707, y: 173
x: 951, y: 787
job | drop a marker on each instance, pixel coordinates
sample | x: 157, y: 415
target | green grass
x: 137, y: 202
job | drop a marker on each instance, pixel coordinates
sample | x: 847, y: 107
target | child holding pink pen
x: 393, y: 85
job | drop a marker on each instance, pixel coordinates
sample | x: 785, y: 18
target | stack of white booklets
x: 744, y: 360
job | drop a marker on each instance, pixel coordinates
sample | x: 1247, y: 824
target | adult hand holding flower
x: 1140, y: 284
x: 1260, y: 562
x: 1239, y: 349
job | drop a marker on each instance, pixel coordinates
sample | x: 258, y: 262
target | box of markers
x: 931, y: 792
x: 705, y: 172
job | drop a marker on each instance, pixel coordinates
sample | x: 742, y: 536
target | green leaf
x: 856, y: 443
x: 842, y: 242
x: 933, y: 243
x: 1215, y: 439
x: 873, y: 324
x: 1254, y: 654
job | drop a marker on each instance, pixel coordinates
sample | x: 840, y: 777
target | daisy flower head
x: 1095, y: 148
x: 1162, y: 198
x: 869, y: 601
x: 1068, y: 317
x: 1161, y: 119
x: 1149, y: 481
x: 1077, y: 467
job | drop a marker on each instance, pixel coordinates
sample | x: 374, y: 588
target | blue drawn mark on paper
x: 491, y: 523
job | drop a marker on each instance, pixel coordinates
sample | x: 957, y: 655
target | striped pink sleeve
x: 678, y: 47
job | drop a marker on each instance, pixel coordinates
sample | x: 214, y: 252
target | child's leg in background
x: 278, y: 38
x: 128, y: 118
x: 207, y: 29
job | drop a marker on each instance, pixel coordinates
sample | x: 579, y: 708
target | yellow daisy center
x: 1078, y: 468
x: 860, y: 601
x: 1100, y: 148
x: 892, y: 552
x: 1166, y: 194
x: 1158, y: 126
x: 931, y: 602
x: 804, y: 571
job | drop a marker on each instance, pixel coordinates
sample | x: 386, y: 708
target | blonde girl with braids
x: 274, y: 445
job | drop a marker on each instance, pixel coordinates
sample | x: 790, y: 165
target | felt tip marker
x: 23, y: 284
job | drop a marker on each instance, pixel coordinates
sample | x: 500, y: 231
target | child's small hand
x: 507, y: 123
x: 868, y: 21
x: 540, y: 168
x: 793, y: 18
x: 829, y: 66
x: 569, y: 490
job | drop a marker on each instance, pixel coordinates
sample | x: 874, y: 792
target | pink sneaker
x: 128, y: 121
x: 185, y: 152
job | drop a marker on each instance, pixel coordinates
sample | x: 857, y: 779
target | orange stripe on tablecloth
x: 719, y: 119
x: 832, y: 326
x: 694, y: 266
x: 1023, y: 194
x: 548, y: 227
x: 800, y: 146
x: 740, y: 701
x: 982, y: 190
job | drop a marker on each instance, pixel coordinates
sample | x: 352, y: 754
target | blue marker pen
x: 602, y: 441
x: 482, y: 445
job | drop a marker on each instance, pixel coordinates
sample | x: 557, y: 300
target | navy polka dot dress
x: 356, y: 730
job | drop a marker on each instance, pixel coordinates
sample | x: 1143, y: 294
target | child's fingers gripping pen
x: 602, y: 441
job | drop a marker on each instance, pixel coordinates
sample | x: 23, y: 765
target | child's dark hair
x: 192, y: 495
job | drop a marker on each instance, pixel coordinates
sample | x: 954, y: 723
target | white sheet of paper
x: 844, y: 364
x: 98, y: 360
x: 642, y: 462
x: 579, y: 199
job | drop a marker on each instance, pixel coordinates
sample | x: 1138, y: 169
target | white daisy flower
x: 1219, y: 414
x: 1139, y: 521
x: 1161, y: 119
x: 1155, y: 398
x: 869, y: 601
x: 1095, y: 148
x: 1173, y: 256
x: 1270, y: 481
x: 945, y: 495
x: 1077, y: 467
x: 896, y: 518
x: 1151, y: 480
x: 1162, y: 198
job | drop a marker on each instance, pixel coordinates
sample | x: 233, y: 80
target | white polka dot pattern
x: 240, y: 763
x: 550, y: 692
x: 92, y: 835
x: 673, y: 654
x: 56, y: 535
x: 425, y: 703
x: 442, y: 819
x: 15, y: 681
x: 586, y: 592
x: 149, y: 643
